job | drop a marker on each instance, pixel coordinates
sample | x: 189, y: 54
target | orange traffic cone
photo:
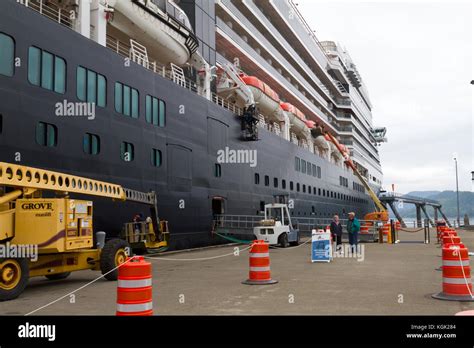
x: 457, y: 282
x: 134, y: 289
x: 259, y: 264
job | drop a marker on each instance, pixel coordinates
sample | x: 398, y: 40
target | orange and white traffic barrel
x: 259, y: 264
x: 364, y: 229
x: 457, y: 282
x: 134, y: 288
x: 386, y: 228
x: 451, y: 239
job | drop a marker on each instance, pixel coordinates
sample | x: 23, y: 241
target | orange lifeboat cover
x: 257, y: 83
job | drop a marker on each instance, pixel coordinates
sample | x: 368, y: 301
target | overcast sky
x: 416, y: 59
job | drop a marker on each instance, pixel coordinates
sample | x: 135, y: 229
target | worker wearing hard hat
x: 353, y: 228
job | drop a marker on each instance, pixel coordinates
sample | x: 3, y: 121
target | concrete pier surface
x: 390, y: 279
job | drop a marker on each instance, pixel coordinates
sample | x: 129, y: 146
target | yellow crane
x: 52, y: 237
x: 381, y: 214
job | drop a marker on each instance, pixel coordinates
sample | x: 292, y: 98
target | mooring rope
x: 403, y: 230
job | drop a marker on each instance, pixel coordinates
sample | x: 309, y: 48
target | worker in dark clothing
x: 137, y: 225
x: 336, y: 232
x: 353, y: 228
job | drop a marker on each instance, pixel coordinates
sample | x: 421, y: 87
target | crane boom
x: 31, y: 179
x: 380, y: 207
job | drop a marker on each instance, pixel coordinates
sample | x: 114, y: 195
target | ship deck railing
x: 244, y: 224
x: 55, y: 13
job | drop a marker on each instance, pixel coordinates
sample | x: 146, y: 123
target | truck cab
x: 276, y: 228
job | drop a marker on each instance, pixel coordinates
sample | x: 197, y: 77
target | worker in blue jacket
x: 353, y: 228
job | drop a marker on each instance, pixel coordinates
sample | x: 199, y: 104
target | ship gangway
x: 394, y: 198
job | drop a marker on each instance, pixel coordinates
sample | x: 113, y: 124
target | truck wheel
x: 296, y: 242
x: 14, y: 274
x: 58, y: 276
x: 113, y: 254
x: 284, y: 240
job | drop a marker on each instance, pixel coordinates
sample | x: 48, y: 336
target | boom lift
x: 59, y: 231
x: 381, y: 213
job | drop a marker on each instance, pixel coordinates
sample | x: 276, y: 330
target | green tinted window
x: 46, y: 134
x: 155, y: 111
x: 59, y: 75
x: 135, y: 101
x: 118, y: 97
x: 162, y: 115
x: 47, y: 64
x: 91, y: 87
x: 46, y: 70
x: 156, y: 158
x: 126, y: 100
x: 217, y: 170
x: 91, y: 144
x: 101, y: 91
x: 34, y: 66
x: 148, y: 108
x: 81, y: 79
x: 7, y: 55
x: 127, y: 151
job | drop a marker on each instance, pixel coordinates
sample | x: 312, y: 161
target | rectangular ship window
x: 297, y: 164
x: 283, y: 184
x: 314, y: 170
x: 46, y: 70
x: 7, y: 55
x: 155, y: 111
x: 303, y: 166
x: 46, y: 134
x: 127, y: 151
x: 91, y: 144
x: 126, y: 100
x: 217, y: 170
x: 156, y: 157
x: 257, y: 179
x: 91, y: 86
x: 267, y: 180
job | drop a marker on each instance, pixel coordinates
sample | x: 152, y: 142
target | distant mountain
x: 423, y: 194
x: 447, y: 200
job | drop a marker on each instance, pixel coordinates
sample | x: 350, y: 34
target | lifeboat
x: 323, y: 146
x: 168, y: 38
x: 297, y: 119
x: 266, y: 98
x: 334, y: 151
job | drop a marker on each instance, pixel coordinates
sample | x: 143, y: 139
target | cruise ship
x: 173, y: 85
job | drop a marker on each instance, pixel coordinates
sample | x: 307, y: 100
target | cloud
x: 416, y: 60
